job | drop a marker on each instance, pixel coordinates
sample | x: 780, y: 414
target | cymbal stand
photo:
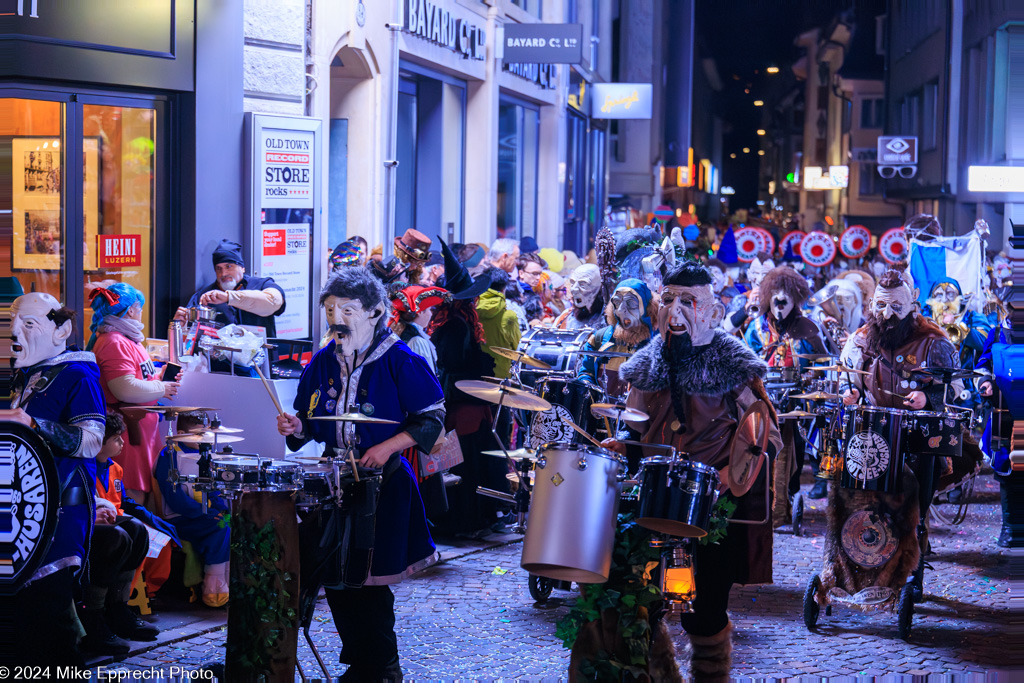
x: 521, y: 498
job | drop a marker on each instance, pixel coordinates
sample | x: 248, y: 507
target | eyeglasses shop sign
x: 286, y: 169
x: 432, y: 22
x: 621, y: 100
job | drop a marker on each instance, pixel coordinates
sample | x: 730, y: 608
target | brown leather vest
x: 889, y: 370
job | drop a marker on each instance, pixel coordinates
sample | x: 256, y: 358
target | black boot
x: 98, y: 636
x: 125, y: 623
x: 819, y: 490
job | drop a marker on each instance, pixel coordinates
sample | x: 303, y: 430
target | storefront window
x: 431, y: 155
x: 575, y: 182
x: 32, y: 195
x: 118, y: 187
x: 531, y: 6
x: 518, y: 129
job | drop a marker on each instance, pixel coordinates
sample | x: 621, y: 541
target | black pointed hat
x: 457, y: 279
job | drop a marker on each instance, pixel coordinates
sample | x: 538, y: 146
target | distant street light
x: 733, y: 155
x: 760, y: 152
x: 746, y: 150
x: 760, y: 131
x: 772, y: 69
x: 758, y: 103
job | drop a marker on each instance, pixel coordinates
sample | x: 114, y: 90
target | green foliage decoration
x: 260, y: 595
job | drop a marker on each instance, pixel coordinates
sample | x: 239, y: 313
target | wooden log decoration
x: 263, y: 623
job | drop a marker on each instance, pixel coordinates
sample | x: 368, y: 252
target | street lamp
x: 758, y: 103
x: 772, y: 70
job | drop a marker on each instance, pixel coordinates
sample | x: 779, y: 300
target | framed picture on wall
x: 36, y: 202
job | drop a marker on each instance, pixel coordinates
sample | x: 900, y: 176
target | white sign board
x: 285, y: 167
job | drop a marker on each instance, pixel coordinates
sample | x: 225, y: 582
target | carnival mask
x: 353, y: 326
x: 35, y: 337
x: 757, y: 271
x: 584, y: 284
x: 849, y: 306
x: 628, y: 307
x: 781, y: 304
x: 945, y: 303
x: 892, y: 303
x: 720, y: 279
x: 690, y: 311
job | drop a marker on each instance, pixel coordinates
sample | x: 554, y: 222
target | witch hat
x: 457, y: 279
x: 727, y: 252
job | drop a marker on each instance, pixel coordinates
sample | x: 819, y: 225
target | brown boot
x: 711, y: 656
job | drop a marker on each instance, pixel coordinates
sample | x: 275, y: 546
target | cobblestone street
x: 472, y: 617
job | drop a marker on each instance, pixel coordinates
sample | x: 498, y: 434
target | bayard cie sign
x: 433, y: 22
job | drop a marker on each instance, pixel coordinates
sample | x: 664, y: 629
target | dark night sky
x: 744, y: 37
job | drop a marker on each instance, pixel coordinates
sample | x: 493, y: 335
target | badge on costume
x: 367, y: 408
x: 332, y: 392
x: 331, y: 403
x: 313, y: 401
x: 912, y: 359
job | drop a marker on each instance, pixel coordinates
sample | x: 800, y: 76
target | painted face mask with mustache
x: 353, y: 326
x: 689, y: 315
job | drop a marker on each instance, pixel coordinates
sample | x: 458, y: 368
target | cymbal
x: 816, y: 357
x: 217, y: 430
x: 204, y: 437
x: 618, y: 411
x: 520, y: 357
x: 795, y: 414
x: 511, y: 397
x: 817, y: 396
x: 517, y: 455
x: 604, y: 354
x: 837, y: 368
x: 170, y: 410
x: 508, y: 381
x: 354, y: 417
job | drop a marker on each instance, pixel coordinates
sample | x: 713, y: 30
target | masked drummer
x: 630, y: 326
x: 695, y: 381
x: 896, y: 341
x: 57, y: 393
x: 367, y: 369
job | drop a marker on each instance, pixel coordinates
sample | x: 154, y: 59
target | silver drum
x: 282, y: 476
x: 571, y: 528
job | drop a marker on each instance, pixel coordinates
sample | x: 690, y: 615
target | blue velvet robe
x: 392, y: 383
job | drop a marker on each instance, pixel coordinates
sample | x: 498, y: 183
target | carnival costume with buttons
x: 366, y: 368
x: 59, y: 388
x: 695, y: 381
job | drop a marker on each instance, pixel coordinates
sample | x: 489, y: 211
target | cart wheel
x: 540, y: 588
x: 811, y: 608
x: 905, y: 611
x: 798, y: 515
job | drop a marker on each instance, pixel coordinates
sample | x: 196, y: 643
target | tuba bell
x: 825, y: 301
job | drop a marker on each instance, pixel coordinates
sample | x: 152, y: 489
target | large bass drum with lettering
x: 29, y: 502
x: 874, y: 449
x: 558, y: 348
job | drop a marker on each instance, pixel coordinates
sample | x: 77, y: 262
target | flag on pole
x: 944, y: 258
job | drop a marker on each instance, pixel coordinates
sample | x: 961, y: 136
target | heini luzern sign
x: 116, y: 251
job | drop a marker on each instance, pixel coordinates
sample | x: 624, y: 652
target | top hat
x: 414, y: 245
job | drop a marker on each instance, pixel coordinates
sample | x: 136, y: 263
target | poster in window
x: 36, y: 202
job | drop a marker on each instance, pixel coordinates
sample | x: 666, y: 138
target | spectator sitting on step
x: 208, y: 531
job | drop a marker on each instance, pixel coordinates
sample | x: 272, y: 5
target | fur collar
x: 719, y: 367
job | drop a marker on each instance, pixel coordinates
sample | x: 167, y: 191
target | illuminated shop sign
x: 621, y: 100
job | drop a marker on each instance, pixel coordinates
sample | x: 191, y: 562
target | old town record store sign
x: 123, y: 42
x: 432, y: 21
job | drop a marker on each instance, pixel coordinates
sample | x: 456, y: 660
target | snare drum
x: 874, y: 449
x: 557, y: 348
x: 570, y: 400
x: 316, y: 488
x: 571, y: 528
x: 242, y: 474
x: 779, y: 377
x: 282, y: 476
x: 933, y: 433
x: 676, y: 496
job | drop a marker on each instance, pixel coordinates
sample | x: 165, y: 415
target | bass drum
x: 570, y: 400
x: 874, y: 449
x: 571, y: 528
x: 558, y: 348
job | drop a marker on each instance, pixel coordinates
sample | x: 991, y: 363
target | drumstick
x: 588, y: 437
x: 277, y: 404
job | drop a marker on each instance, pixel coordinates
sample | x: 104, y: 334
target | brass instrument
x: 829, y: 315
x: 956, y: 332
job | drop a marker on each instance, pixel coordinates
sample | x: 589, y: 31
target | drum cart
x: 902, y: 604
